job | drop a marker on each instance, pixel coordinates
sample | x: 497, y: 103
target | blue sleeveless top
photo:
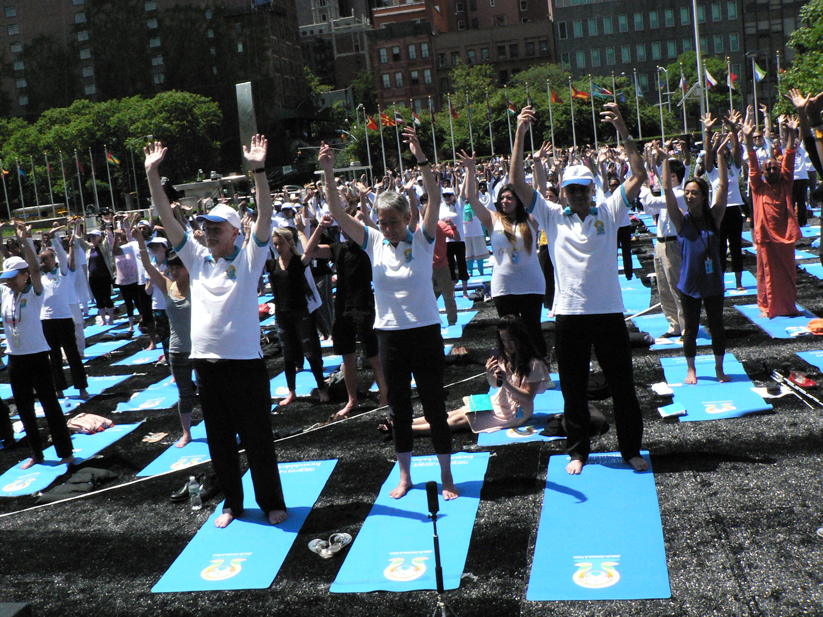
x: 696, y: 247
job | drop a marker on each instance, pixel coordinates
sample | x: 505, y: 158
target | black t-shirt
x: 289, y: 287
x: 354, y: 289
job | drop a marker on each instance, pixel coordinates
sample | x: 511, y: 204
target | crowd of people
x: 554, y: 222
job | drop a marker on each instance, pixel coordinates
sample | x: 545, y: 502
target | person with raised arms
x: 407, y: 321
x: 225, y: 336
x: 588, y: 302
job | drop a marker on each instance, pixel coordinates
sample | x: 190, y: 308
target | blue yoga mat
x: 249, y: 552
x: 463, y: 304
x: 657, y: 325
x: 174, y: 458
x: 269, y: 321
x: 102, y: 348
x: 635, y: 262
x: 544, y: 315
x: 463, y: 318
x: 530, y: 431
x: 304, y: 382
x: 144, y: 356
x: 709, y: 399
x: 600, y: 535
x: 636, y: 297
x: 815, y: 269
x: 94, y: 329
x: 452, y: 332
x: 394, y: 550
x: 70, y: 400
x: 815, y: 358
x: 746, y: 278
x: 778, y: 327
x: 475, y: 281
x: 17, y: 481
x: 810, y: 231
x: 550, y: 400
x: 160, y: 395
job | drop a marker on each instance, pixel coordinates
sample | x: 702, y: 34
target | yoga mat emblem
x: 597, y: 573
x: 396, y: 571
x: 519, y: 432
x: 188, y: 461
x: 719, y: 407
x: 21, y: 483
x: 218, y: 572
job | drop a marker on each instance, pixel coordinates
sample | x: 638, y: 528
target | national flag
x: 709, y: 79
x: 579, y: 94
x: 385, y: 120
x: 416, y: 119
x: 556, y: 98
x: 621, y: 97
x: 601, y: 93
x: 21, y: 172
x: 79, y: 164
x: 110, y: 158
x: 6, y: 172
x: 398, y: 119
x: 730, y: 79
x: 684, y: 86
x: 372, y: 124
x: 637, y: 89
x: 510, y: 106
x: 469, y: 109
x: 759, y: 74
x: 452, y: 110
x: 431, y: 112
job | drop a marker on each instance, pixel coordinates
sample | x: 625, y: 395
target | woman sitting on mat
x: 517, y: 370
x: 701, y: 276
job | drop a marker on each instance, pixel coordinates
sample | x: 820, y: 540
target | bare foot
x: 764, y: 314
x: 450, y: 491
x: 350, y: 406
x: 401, y: 489
x: 574, y: 467
x: 721, y: 376
x: 186, y: 438
x: 289, y: 399
x: 277, y: 516
x: 638, y: 463
x: 741, y: 288
x: 324, y: 396
x: 68, y: 460
x: 691, y: 376
x: 151, y: 347
x: 223, y: 520
x: 84, y: 395
x: 30, y: 463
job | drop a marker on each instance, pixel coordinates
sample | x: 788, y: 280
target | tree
x: 807, y: 42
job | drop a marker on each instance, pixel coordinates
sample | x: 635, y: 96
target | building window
x: 734, y: 42
x: 656, y: 50
x: 424, y: 50
x: 717, y: 12
x: 565, y: 62
x: 384, y: 55
x: 472, y: 5
x: 13, y: 29
x: 687, y: 45
x: 151, y: 23
x: 671, y: 49
x: 685, y: 16
x: 595, y: 58
x: 412, y: 52
x: 427, y: 76
x: 514, y: 50
x: 455, y: 58
x: 654, y: 21
x: 90, y: 89
x: 18, y: 65
x: 625, y: 54
x: 386, y: 81
x: 159, y: 78
x: 731, y: 7
x: 475, y: 24
x: 151, y: 5
x: 543, y: 47
x: 562, y: 31
x: 83, y: 35
x: 208, y: 13
x: 592, y: 26
x: 154, y: 42
x: 80, y: 18
x: 643, y: 79
x: 501, y: 52
x: 11, y: 11
x: 491, y: 4
x: 214, y: 70
x: 239, y: 47
x: 213, y: 51
x: 22, y: 100
x: 608, y: 26
x: 580, y: 59
x: 461, y: 25
x: 623, y: 23
x: 157, y: 60
x: 668, y: 15
x: 638, y: 21
x: 88, y: 71
x: 16, y: 48
x: 641, y: 52
x: 395, y: 53
x: 210, y: 33
x: 21, y: 82
x: 577, y: 28
x: 441, y: 60
x: 718, y: 43
x: 611, y: 59
x: 415, y: 78
x: 459, y: 7
x: 704, y: 44
x: 85, y: 53
x: 471, y: 56
x: 398, y: 79
x: 77, y: 2
x: 484, y: 54
x: 701, y: 14
x: 529, y: 48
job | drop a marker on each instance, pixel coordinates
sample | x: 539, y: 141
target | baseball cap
x: 577, y: 174
x: 220, y: 213
x: 12, y: 266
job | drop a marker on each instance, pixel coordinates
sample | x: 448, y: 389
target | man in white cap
x: 225, y: 333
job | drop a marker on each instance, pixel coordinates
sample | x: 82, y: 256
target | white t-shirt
x: 515, y: 271
x: 225, y: 323
x: 656, y: 204
x: 472, y: 228
x: 584, y: 254
x: 733, y: 197
x: 402, y: 279
x: 58, y: 294
x: 21, y: 319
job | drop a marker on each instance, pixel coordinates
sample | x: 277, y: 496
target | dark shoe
x: 181, y: 495
x: 209, y: 488
x: 671, y: 334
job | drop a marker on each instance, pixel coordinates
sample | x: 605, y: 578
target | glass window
x: 461, y: 25
x: 427, y: 76
x: 88, y: 71
x: 731, y: 7
x: 16, y: 48
x: 154, y: 42
x: 441, y: 59
x: 471, y: 56
x: 608, y: 26
x: 595, y: 58
x: 239, y: 47
x: 80, y: 18
x: 90, y: 89
x: 685, y: 16
x: 151, y: 5
x: 638, y: 21
x: 151, y: 23
x: 623, y: 23
x: 13, y: 29
x: 21, y: 82
x: 22, y: 100
x: 85, y: 53
x: 530, y: 48
x: 717, y: 13
x: 11, y: 11
x: 577, y: 28
x: 580, y: 59
x: 501, y: 52
x: 398, y: 79
x: 412, y: 52
x: 654, y: 21
x: 643, y: 80
x: 704, y: 44
x: 671, y: 49
x: 592, y: 26
x: 641, y: 52
x: 656, y: 53
x: 77, y: 2
x: 687, y: 45
x: 543, y: 47
x: 210, y: 33
x: 701, y: 14
x: 18, y: 65
x: 208, y: 13
x: 734, y: 41
x: 386, y: 81
x: 395, y: 53
x: 669, y: 17
x: 564, y: 60
x: 159, y: 78
x: 414, y: 77
x: 424, y: 50
x: 611, y: 59
x: 562, y: 32
x: 625, y: 54
x: 157, y: 60
x: 455, y: 58
x: 384, y: 55
x: 484, y: 54
x: 718, y: 43
x: 514, y: 50
x: 83, y: 35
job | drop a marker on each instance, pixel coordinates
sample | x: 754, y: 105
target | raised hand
x: 792, y: 122
x: 797, y: 98
x: 748, y: 123
x: 814, y: 108
x: 611, y: 115
x: 410, y: 137
x: 155, y: 153
x: 466, y: 160
x: 325, y: 157
x: 544, y: 151
x: 525, y: 119
x: 733, y: 119
x: 707, y: 120
x: 256, y: 155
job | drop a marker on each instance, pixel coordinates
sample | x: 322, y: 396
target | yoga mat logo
x: 596, y: 574
x: 218, y: 572
x: 20, y: 484
x: 187, y: 461
x: 520, y: 432
x: 718, y: 407
x: 399, y: 572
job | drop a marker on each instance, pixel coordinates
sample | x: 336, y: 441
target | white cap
x: 577, y: 174
x: 158, y: 240
x: 12, y: 266
x: 220, y: 213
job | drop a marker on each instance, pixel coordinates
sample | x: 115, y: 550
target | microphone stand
x: 441, y: 607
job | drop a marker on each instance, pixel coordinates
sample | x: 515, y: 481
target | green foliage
x: 315, y: 87
x: 807, y: 42
x: 718, y: 96
x: 364, y: 90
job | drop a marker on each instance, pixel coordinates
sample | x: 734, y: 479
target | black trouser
x: 624, y: 242
x: 730, y: 229
x: 799, y: 190
x: 131, y: 296
x: 60, y: 337
x: 528, y: 307
x: 545, y: 260
x: 6, y: 426
x: 298, y: 338
x: 236, y: 400
x: 418, y: 352
x: 30, y: 374
x: 456, y: 256
x: 575, y: 336
x: 101, y: 290
x: 714, y: 315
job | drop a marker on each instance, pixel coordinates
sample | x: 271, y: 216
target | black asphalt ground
x: 740, y: 502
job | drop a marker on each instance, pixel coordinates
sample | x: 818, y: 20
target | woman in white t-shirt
x: 29, y: 368
x: 407, y: 321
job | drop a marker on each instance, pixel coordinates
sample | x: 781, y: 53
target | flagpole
x: 706, y: 91
x: 20, y: 186
x: 614, y: 100
x: 660, y: 105
x: 508, y: 120
x: 754, y: 88
x: 529, y: 103
x: 701, y: 78
x: 469, y: 112
x: 34, y: 182
x: 729, y: 82
x: 80, y: 185
x: 397, y: 134
x: 5, y: 190
x: 368, y: 148
x: 637, y: 105
x: 65, y: 186
x: 594, y: 120
x: 571, y: 107
x: 551, y: 117
x: 94, y: 182
x: 451, y: 128
x: 489, y: 116
x: 382, y: 144
x: 48, y: 175
x: 778, y: 71
x: 434, y: 137
x: 108, y: 170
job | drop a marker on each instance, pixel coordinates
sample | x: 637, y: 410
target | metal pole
x: 5, y: 190
x: 508, y: 120
x: 594, y: 120
x: 80, y: 185
x: 65, y: 186
x: 34, y: 181
x: 489, y: 116
x: 382, y: 144
x: 368, y: 149
x: 111, y: 188
x: 660, y: 105
x: 754, y: 88
x: 136, y: 179
x: 571, y: 107
x: 451, y: 128
x: 637, y: 105
x: 434, y: 136
x: 529, y: 103
x: 683, y: 101
x: 94, y: 181
x: 701, y: 78
x: 729, y: 82
x: 48, y: 175
x: 20, y: 185
x: 469, y: 112
x: 397, y: 134
x: 551, y: 117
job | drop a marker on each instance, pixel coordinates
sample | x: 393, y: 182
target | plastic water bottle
x: 194, y: 494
